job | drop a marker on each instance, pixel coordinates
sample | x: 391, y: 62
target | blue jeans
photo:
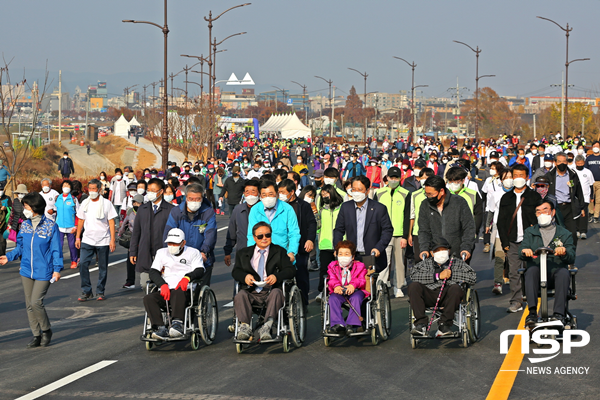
x: 87, y: 257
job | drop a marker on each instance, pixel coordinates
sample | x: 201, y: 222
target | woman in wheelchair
x: 347, y: 280
x: 172, y: 270
x: 260, y: 270
x: 427, y: 278
x: 547, y: 234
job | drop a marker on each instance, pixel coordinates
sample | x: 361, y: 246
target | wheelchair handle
x: 544, y: 250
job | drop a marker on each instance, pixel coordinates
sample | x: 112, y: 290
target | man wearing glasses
x: 260, y: 271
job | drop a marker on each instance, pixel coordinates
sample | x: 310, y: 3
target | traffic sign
x: 290, y: 102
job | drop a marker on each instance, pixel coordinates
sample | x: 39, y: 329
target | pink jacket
x: 357, y: 279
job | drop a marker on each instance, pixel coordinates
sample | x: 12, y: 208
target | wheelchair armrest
x: 573, y: 271
x: 521, y: 271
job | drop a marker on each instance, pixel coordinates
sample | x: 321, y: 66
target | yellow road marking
x: 505, y: 379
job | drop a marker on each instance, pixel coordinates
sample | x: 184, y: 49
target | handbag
x: 125, y: 238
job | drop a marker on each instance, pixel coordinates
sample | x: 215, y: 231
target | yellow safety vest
x: 417, y: 198
x: 395, y: 204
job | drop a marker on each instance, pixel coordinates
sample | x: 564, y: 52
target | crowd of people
x: 297, y: 206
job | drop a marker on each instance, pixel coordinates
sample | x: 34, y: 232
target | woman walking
x: 38, y: 246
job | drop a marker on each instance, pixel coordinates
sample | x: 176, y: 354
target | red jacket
x: 374, y: 175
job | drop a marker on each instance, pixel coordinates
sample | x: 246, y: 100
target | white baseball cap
x: 175, y: 235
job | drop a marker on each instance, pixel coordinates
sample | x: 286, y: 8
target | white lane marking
x: 230, y: 304
x: 93, y: 269
x: 66, y: 380
x: 222, y: 229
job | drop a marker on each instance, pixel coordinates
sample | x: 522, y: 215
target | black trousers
x: 570, y: 223
x: 302, y: 275
x: 326, y: 257
x: 130, y: 280
x: 153, y: 303
x: 416, y: 250
x: 582, y: 222
x: 421, y: 297
x: 559, y: 280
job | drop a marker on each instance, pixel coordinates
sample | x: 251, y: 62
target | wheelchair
x: 376, y: 309
x: 201, y: 317
x: 291, y: 321
x: 570, y: 321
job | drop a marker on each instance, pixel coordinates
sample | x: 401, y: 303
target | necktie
x: 155, y: 208
x: 261, y: 268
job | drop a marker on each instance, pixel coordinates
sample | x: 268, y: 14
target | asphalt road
x: 89, y: 333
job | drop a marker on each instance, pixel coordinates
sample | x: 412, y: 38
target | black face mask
x: 135, y: 208
x: 433, y: 200
x: 580, y: 168
x: 562, y: 167
x: 318, y: 183
x: 569, y: 160
x: 326, y: 200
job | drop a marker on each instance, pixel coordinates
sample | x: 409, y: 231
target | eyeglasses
x: 261, y: 236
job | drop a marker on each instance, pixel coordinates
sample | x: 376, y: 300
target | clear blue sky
x: 295, y: 40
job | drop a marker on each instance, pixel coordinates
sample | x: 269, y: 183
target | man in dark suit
x: 147, y: 235
x: 412, y: 183
x: 260, y: 270
x: 308, y: 233
x: 366, y: 223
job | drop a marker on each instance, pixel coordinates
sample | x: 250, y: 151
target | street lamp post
x: 165, y: 128
x: 365, y: 100
x: 303, y: 101
x: 567, y: 31
x: 282, y: 94
x: 413, y: 133
x: 329, y: 81
x: 126, y: 91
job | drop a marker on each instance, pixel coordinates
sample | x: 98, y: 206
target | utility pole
x: 303, y: 102
x: 457, y: 111
x: 333, y: 114
x: 87, y: 109
x: 534, y: 133
x: 364, y: 75
x: 59, y: 105
x: 562, y: 104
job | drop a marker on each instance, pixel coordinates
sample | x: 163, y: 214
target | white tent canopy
x: 288, y: 125
x: 134, y: 122
x: 121, y: 126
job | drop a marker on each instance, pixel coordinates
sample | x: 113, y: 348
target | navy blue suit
x: 377, y: 233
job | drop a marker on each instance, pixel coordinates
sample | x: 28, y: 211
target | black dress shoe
x: 46, y: 336
x: 350, y: 330
x: 338, y: 328
x: 35, y: 342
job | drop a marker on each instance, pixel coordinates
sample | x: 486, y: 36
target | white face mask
x: 492, y: 172
x: 252, y: 200
x: 174, y: 250
x: 66, y: 190
x: 329, y: 181
x: 519, y: 182
x: 508, y: 183
x: 548, y: 164
x: 194, y: 205
x: 454, y: 187
x: 20, y: 196
x: 344, y: 261
x: 309, y: 200
x: 269, y: 202
x: 169, y: 198
x: 28, y: 213
x: 46, y: 189
x: 141, y: 191
x: 596, y: 150
x: 152, y: 196
x: 283, y: 198
x: 580, y: 151
x: 544, y: 220
x: 65, y: 157
x: 132, y: 193
x: 358, y: 196
x: 119, y: 177
x: 441, y: 256
x: 534, y: 151
x: 94, y: 195
x: 102, y: 178
x: 416, y: 172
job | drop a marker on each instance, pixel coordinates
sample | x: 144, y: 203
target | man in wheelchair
x: 172, y: 270
x: 260, y: 271
x: 427, y: 277
x: 547, y: 234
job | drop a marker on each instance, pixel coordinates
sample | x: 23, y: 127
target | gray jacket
x: 455, y: 224
x: 237, y: 233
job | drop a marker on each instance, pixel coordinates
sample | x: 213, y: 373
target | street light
x: 365, y: 101
x: 330, y: 103
x: 282, y: 95
x: 126, y: 91
x: 165, y: 128
x: 412, y: 101
x: 567, y: 31
x: 303, y: 101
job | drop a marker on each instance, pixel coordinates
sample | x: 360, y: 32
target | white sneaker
x: 319, y: 297
x: 578, y: 235
x: 398, y: 293
x: 583, y: 235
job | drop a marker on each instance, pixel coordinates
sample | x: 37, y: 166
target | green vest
x: 328, y: 219
x: 417, y: 198
x: 470, y: 196
x: 395, y: 206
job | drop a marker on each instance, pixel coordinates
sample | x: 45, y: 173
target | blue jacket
x: 4, y: 174
x: 65, y: 211
x: 40, y: 250
x: 354, y: 169
x: 514, y: 161
x: 205, y: 220
x: 286, y: 232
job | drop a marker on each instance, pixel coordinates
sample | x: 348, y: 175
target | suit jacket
x: 575, y: 191
x: 508, y: 205
x: 377, y: 233
x: 306, y: 222
x: 278, y: 263
x: 147, y: 235
x: 411, y: 184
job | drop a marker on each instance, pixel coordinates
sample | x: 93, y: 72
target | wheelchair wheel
x: 465, y: 338
x: 207, y: 315
x: 286, y: 343
x: 327, y: 341
x: 413, y: 342
x: 474, y: 316
x: 149, y: 345
x: 374, y: 337
x: 384, y: 311
x: 323, y: 314
x: 239, y: 348
x: 195, y: 340
x: 297, y: 319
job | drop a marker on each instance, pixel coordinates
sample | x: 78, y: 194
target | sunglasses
x: 260, y: 237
